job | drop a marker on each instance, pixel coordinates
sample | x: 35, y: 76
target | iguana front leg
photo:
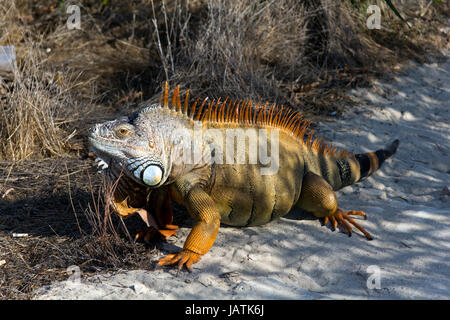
x: 122, y: 208
x: 162, y: 215
x: 202, y: 236
x: 158, y: 223
x: 318, y: 197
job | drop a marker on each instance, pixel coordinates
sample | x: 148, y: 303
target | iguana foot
x: 123, y: 209
x: 152, y: 232
x: 343, y: 218
x: 153, y: 228
x: 185, y: 257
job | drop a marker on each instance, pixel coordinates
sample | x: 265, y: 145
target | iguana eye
x: 123, y: 131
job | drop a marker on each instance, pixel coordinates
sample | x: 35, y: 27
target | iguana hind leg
x: 318, y: 197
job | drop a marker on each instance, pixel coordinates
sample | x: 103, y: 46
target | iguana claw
x: 343, y: 218
x: 152, y: 232
x: 184, y: 258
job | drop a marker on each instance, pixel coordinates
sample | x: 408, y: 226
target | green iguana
x: 203, y: 155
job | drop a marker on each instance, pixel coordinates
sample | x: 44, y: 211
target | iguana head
x: 136, y: 145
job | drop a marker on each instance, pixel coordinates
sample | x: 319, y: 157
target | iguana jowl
x: 145, y: 151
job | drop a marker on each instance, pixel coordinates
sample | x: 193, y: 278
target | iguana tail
x: 372, y: 161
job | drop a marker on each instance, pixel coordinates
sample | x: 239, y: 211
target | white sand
x: 295, y: 257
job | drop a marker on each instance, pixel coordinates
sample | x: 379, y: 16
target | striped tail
x: 372, y: 161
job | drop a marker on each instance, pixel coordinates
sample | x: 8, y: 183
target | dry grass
x: 60, y: 205
x: 39, y: 110
x: 37, y: 114
x: 299, y: 53
x: 261, y: 50
x: 281, y: 50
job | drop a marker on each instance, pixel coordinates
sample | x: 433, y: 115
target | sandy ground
x: 295, y: 257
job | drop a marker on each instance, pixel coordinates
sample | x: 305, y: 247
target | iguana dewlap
x: 229, y: 162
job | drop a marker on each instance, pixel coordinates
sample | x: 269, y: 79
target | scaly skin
x: 145, y: 150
